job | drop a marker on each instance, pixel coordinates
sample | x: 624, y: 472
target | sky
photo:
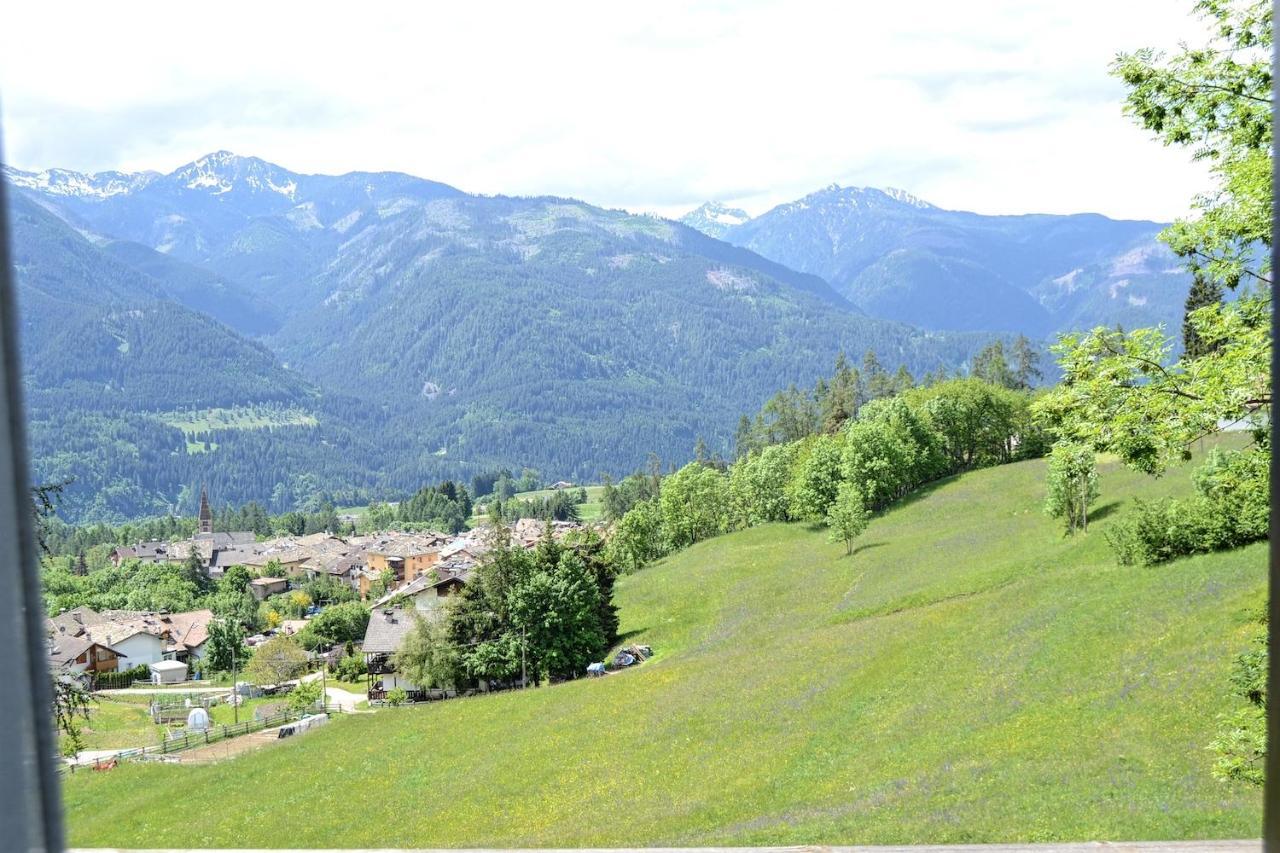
x: 994, y: 106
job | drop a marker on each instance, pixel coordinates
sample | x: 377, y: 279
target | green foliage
x: 893, y: 446
x: 1077, y: 694
x: 131, y: 586
x: 225, y: 647
x: 1229, y: 509
x: 758, y: 486
x: 637, y: 537
x: 306, y: 696
x: 549, y: 611
x: 847, y: 516
x: 618, y: 499
x: 1071, y: 484
x: 397, y: 696
x: 445, y: 507
x: 276, y: 661
x: 335, y: 625
x: 888, y: 451
x: 428, y: 656
x: 1241, y: 744
x: 815, y: 477
x: 694, y: 505
x: 350, y: 668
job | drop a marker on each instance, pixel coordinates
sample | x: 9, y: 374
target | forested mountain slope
x: 969, y: 674
x: 445, y: 333
x: 898, y: 257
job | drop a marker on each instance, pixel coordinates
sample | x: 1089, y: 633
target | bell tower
x: 206, y: 516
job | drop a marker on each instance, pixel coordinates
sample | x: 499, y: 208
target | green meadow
x: 967, y: 675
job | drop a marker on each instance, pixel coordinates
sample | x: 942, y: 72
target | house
x: 342, y: 568
x: 264, y: 588
x: 406, y: 557
x: 388, y: 626
x: 427, y: 592
x: 80, y: 654
x: 142, y: 637
x: 188, y: 633
x: 152, y: 551
x: 561, y: 484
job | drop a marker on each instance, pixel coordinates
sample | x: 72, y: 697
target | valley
x: 429, y: 333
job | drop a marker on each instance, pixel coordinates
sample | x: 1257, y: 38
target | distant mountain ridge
x: 714, y: 218
x: 899, y: 257
x: 443, y: 333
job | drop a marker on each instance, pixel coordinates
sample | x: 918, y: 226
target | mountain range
x: 279, y: 335
x: 898, y: 257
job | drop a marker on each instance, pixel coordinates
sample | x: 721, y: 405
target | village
x: 401, y: 578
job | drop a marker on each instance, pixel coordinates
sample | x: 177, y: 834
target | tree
x: 235, y: 578
x: 1241, y: 744
x: 225, y: 645
x: 694, y: 504
x: 1026, y: 363
x: 847, y: 516
x: 1204, y: 293
x: 1072, y: 485
x: 815, y: 477
x: 276, y: 661
x: 638, y: 539
x: 991, y: 366
x: 428, y: 656
x: 305, y: 696
x: 556, y: 611
x: 335, y: 625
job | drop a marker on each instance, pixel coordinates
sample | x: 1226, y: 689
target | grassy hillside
x: 967, y: 675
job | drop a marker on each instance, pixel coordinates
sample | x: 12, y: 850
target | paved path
x: 89, y: 756
x: 1242, y: 846
x: 344, y: 699
x: 152, y: 691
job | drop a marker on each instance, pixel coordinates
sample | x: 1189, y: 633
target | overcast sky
x: 999, y: 107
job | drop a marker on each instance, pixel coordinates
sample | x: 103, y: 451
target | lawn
x: 120, y: 721
x: 589, y: 511
x: 969, y: 675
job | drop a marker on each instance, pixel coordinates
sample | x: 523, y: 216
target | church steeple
x: 206, y: 515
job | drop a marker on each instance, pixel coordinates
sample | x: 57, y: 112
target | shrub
x: 350, y: 668
x: 397, y: 696
x: 305, y: 696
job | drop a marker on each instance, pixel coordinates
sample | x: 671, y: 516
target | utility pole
x: 324, y: 690
x: 235, y: 689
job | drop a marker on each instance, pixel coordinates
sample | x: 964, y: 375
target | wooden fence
x: 213, y: 734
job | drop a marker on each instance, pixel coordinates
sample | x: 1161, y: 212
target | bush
x: 350, y: 668
x: 1230, y: 510
x: 305, y: 696
x: 397, y: 696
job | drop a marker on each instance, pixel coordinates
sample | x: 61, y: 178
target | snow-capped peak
x: 906, y: 197
x: 714, y: 218
x: 223, y: 171
x: 91, y: 185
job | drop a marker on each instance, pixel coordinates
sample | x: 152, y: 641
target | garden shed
x: 168, y: 672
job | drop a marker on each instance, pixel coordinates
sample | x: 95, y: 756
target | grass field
x: 192, y: 422
x: 120, y: 721
x: 589, y: 511
x: 967, y: 675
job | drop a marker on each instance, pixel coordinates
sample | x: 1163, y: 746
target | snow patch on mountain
x: 714, y: 219
x: 64, y: 182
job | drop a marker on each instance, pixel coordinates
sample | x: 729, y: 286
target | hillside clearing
x: 967, y: 675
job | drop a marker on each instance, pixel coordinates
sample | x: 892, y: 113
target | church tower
x: 206, y: 516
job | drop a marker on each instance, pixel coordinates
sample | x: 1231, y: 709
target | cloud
x: 1000, y: 106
